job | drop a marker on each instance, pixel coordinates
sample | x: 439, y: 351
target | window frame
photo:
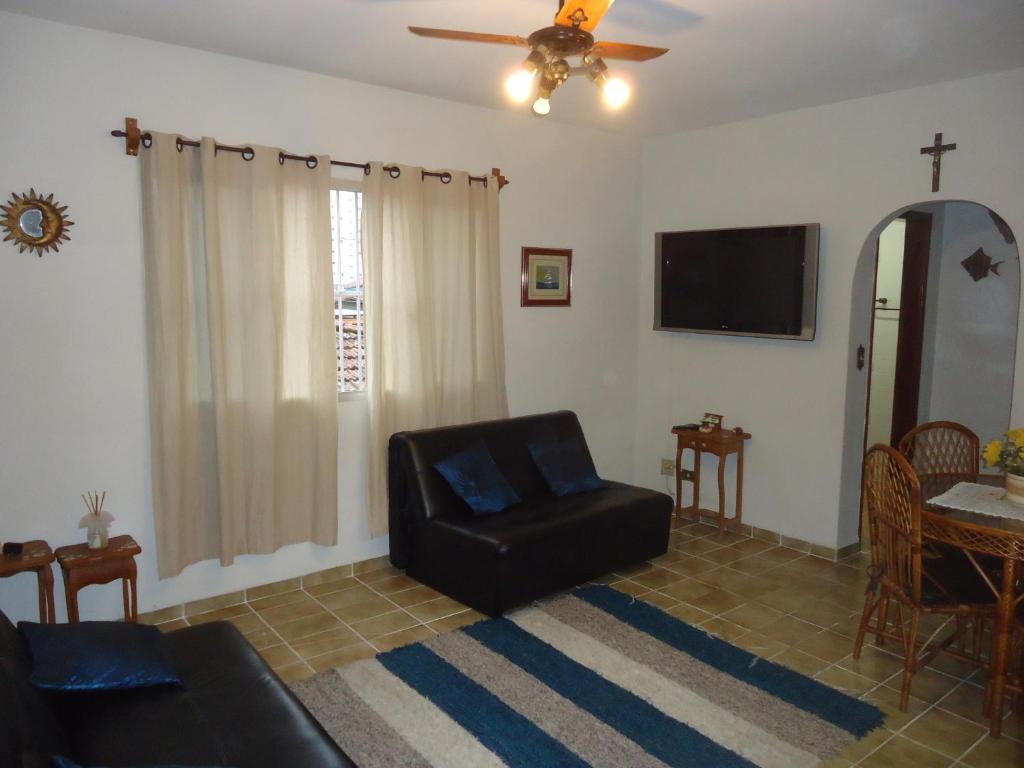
x: 352, y: 185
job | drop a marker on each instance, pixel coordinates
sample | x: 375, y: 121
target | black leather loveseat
x: 541, y: 545
x: 231, y: 711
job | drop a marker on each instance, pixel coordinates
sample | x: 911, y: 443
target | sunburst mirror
x: 35, y: 223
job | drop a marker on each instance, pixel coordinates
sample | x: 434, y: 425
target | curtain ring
x: 446, y: 178
x: 394, y: 171
x: 312, y: 162
x: 280, y: 158
x: 178, y: 143
x: 147, y: 140
x: 248, y: 153
x: 366, y: 170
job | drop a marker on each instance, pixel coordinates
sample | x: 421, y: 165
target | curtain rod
x: 134, y: 138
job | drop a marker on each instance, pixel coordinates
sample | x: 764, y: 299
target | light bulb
x: 541, y: 106
x: 616, y: 92
x: 519, y: 85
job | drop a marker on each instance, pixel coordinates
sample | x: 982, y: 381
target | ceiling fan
x: 571, y: 35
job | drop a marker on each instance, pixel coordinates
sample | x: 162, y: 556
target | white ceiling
x: 730, y: 59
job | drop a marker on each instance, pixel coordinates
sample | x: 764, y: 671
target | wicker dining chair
x: 942, y: 453
x: 947, y: 586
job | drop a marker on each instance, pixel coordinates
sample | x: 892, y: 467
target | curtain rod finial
x: 502, y: 181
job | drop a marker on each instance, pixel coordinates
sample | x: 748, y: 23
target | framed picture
x: 547, y: 277
x: 712, y: 422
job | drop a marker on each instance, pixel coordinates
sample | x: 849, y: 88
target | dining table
x: 977, y: 518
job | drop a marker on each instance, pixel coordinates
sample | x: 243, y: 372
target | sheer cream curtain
x: 435, y: 345
x: 242, y: 366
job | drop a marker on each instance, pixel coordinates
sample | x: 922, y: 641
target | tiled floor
x: 798, y: 610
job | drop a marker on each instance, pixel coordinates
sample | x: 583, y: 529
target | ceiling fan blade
x: 592, y: 12
x: 472, y: 37
x: 626, y: 51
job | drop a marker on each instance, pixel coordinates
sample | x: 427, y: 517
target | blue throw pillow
x: 98, y: 656
x: 565, y: 464
x: 476, y: 479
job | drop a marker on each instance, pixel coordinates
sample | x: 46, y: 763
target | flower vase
x: 1015, y: 489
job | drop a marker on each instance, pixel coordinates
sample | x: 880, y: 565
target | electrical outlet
x: 668, y: 467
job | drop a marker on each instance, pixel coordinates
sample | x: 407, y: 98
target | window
x: 346, y: 257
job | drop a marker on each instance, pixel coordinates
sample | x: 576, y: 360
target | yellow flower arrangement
x: 1007, y: 453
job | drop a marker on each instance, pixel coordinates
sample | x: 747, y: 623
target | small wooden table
x: 35, y: 556
x: 1000, y: 537
x: 82, y: 566
x: 721, y: 443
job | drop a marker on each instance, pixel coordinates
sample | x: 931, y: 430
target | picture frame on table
x: 546, y: 277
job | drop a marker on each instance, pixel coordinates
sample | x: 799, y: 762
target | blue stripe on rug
x: 852, y: 715
x: 655, y: 732
x: 501, y: 729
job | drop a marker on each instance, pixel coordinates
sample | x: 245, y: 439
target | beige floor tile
x: 723, y: 629
x: 848, y: 682
x: 366, y: 607
x: 688, y: 613
x: 759, y: 644
x: 944, y: 732
x: 785, y: 599
x: 384, y: 624
x: 899, y: 752
x: 414, y: 596
x: 693, y: 566
x: 372, y: 565
x: 687, y: 590
x: 248, y: 623
x: 283, y: 598
x: 873, y: 663
x: 327, y: 587
x: 342, y: 656
x: 263, y: 638
x: 888, y: 700
x: 394, y: 584
x: 753, y: 566
x: 456, y: 621
x: 869, y: 743
x: 436, y: 609
x: 162, y: 615
x: 826, y: 645
x: 790, y: 630
x: 928, y: 685
x: 220, y: 614
x: 383, y: 573
x: 306, y: 626
x: 724, y: 555
x: 279, y: 656
x: 800, y: 662
x: 268, y: 590
x: 659, y: 600
x: 213, y: 603
x: 822, y: 613
x: 671, y: 557
x: 780, y: 555
x: 965, y: 700
x: 698, y: 546
x: 995, y: 753
x: 751, y: 546
x: 293, y: 673
x: 629, y: 587
x: 353, y: 594
x: 283, y: 614
x: 718, y: 601
x: 326, y: 576
x: 752, y: 615
x: 656, y: 578
x: 405, y: 637
x: 325, y: 642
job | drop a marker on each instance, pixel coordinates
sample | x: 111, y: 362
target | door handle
x: 860, y: 357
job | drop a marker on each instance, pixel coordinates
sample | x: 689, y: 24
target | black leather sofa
x: 232, y: 711
x: 541, y: 545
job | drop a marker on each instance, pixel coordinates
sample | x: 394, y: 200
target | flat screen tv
x: 757, y: 281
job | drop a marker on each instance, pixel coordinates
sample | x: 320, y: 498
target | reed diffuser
x: 97, y: 521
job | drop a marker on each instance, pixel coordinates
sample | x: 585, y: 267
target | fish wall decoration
x: 979, y: 264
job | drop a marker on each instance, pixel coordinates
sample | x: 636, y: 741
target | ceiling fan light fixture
x: 541, y: 106
x: 616, y: 92
x: 519, y: 85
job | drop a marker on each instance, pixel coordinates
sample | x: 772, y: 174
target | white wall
x: 975, y: 333
x: 73, y: 408
x: 847, y: 166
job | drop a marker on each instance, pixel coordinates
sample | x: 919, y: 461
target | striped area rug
x: 591, y: 678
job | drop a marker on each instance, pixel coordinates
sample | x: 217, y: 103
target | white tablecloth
x: 983, y: 499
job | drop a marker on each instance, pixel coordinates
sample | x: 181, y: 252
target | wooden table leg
x: 738, y: 518
x: 1001, y: 647
x: 131, y: 607
x: 47, y: 610
x: 71, y: 598
x: 721, y: 494
x: 696, y: 484
x: 679, y: 479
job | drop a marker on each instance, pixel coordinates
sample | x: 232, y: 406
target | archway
x: 969, y: 334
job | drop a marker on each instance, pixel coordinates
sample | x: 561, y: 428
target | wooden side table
x: 721, y: 443
x: 35, y: 556
x: 82, y: 566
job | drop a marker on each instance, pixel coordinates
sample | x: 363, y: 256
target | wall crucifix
x: 936, y: 151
